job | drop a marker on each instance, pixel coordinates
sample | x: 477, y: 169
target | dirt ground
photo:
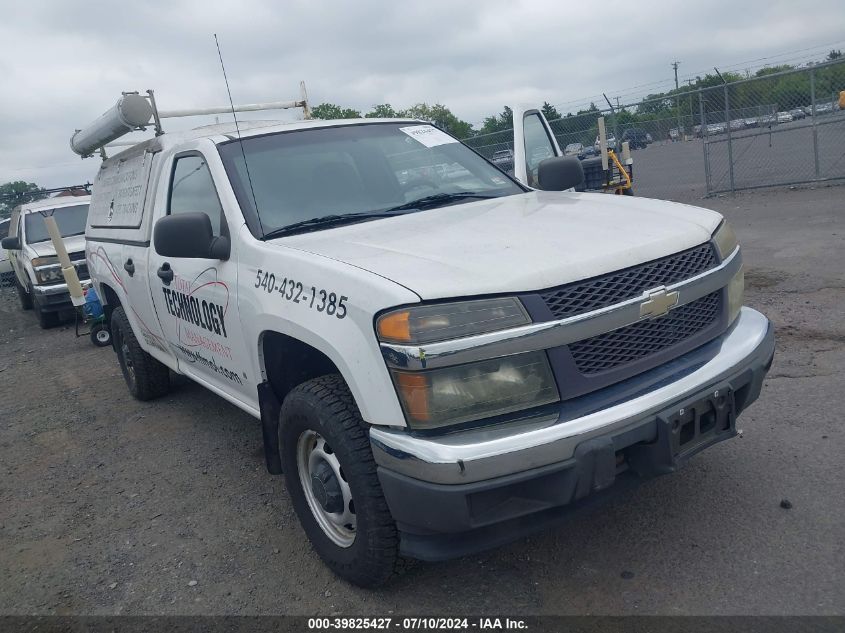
x: 113, y: 506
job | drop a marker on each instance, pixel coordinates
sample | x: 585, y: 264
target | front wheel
x: 46, y: 319
x: 146, y: 377
x: 331, y: 477
x: 23, y: 296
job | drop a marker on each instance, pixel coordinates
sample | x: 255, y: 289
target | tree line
x: 783, y: 91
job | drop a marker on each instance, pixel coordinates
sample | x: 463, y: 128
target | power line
x: 634, y: 93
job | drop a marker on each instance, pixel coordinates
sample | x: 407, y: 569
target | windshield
x: 71, y: 221
x: 361, y: 169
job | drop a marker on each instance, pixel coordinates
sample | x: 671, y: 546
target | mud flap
x: 270, y: 407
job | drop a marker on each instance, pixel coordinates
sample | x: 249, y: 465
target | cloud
x: 63, y: 64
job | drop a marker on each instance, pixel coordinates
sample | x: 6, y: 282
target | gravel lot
x: 112, y: 506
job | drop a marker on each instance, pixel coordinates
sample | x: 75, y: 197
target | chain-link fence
x: 775, y: 129
x: 778, y: 129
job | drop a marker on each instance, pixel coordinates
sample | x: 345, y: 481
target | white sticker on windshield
x: 428, y: 135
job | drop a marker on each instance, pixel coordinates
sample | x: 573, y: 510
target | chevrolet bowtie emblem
x: 657, y: 302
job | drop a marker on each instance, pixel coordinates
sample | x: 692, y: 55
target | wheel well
x: 109, y: 299
x: 289, y: 362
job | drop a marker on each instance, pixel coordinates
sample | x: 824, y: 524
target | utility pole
x: 691, y: 120
x: 617, y: 104
x: 675, y: 65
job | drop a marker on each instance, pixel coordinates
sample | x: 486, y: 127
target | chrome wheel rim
x: 102, y: 336
x: 325, y: 487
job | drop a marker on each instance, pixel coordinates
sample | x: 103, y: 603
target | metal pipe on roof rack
x: 248, y: 107
x: 131, y: 112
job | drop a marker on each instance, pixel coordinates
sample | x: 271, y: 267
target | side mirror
x: 560, y: 173
x: 11, y: 243
x: 189, y: 235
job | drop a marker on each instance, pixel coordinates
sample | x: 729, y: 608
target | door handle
x: 129, y: 266
x: 165, y: 273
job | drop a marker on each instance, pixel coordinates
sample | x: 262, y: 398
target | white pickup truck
x: 37, y: 271
x: 442, y: 358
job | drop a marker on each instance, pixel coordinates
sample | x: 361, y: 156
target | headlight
x: 725, y: 239
x: 444, y: 321
x: 50, y: 275
x: 452, y: 395
x: 736, y: 290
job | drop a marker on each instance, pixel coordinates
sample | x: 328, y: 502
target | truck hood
x: 45, y: 249
x: 517, y: 243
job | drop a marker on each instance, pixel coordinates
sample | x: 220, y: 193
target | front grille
x: 644, y: 338
x: 600, y: 292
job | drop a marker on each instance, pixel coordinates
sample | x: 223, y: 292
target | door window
x: 192, y: 189
x: 538, y: 145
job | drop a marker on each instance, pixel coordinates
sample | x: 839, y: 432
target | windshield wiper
x: 439, y: 199
x: 327, y: 221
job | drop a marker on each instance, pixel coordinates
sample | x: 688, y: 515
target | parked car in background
x: 737, y: 124
x: 674, y: 135
x: 38, y: 273
x: 797, y: 114
x: 503, y: 159
x: 751, y: 121
x: 636, y: 138
x: 824, y: 108
x: 7, y: 274
x: 648, y: 138
x: 573, y: 149
x: 767, y: 119
x: 588, y: 152
x: 716, y: 128
x: 611, y: 143
x: 784, y: 117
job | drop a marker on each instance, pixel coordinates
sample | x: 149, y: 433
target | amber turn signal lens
x: 395, y: 327
x: 415, y: 393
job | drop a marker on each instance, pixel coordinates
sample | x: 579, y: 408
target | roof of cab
x: 220, y: 132
x: 55, y: 203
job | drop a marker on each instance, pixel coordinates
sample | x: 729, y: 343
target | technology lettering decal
x: 201, y: 306
x: 200, y: 312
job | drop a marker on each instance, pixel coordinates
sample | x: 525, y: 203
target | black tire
x: 145, y: 377
x: 101, y: 334
x: 46, y: 319
x: 24, y: 297
x: 324, y: 405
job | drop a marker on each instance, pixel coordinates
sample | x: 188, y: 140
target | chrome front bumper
x: 57, y: 289
x: 483, y: 454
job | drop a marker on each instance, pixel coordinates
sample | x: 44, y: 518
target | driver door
x: 195, y: 298
x: 533, y: 142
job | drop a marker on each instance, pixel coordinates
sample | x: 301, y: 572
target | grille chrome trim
x: 604, y: 290
x: 613, y: 350
x: 537, y: 336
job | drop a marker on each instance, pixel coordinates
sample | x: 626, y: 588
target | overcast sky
x: 63, y: 63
